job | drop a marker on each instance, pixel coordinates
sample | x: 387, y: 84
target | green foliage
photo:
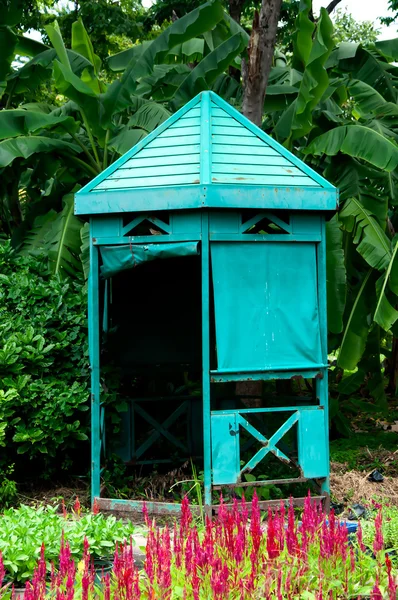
x: 43, y: 366
x: 347, y: 29
x: 389, y: 528
x: 8, y: 487
x: 25, y: 529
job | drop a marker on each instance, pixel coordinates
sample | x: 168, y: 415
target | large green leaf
x: 39, y: 69
x: 336, y: 275
x: 21, y: 122
x: 121, y: 60
x: 305, y: 26
x: 357, y: 141
x: 190, y: 51
x: 368, y: 100
x: 357, y: 326
x: 29, y: 47
x: 25, y: 146
x: 55, y: 36
x: 118, y: 95
x: 372, y: 243
x: 149, y: 116
x: 297, y: 120
x: 82, y: 44
x: 126, y: 139
x: 385, y: 314
x: 85, y: 249
x: 389, y: 49
x: 87, y: 99
x: 207, y: 71
x: 58, y: 236
x: 371, y: 186
x: 8, y: 42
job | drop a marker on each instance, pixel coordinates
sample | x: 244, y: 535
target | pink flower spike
x: 64, y: 511
x: 76, y: 506
x: 95, y: 507
x: 378, y: 543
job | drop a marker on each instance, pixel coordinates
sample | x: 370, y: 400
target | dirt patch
x: 350, y: 487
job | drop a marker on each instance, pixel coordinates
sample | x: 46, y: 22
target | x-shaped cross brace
x: 160, y: 428
x: 269, y: 445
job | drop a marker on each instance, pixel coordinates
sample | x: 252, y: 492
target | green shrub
x: 43, y: 363
x: 24, y: 530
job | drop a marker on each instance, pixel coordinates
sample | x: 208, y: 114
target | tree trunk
x: 261, y: 52
x: 235, y: 9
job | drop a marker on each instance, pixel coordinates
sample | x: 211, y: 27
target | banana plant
x: 61, y: 145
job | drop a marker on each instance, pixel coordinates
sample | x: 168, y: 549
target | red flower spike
x: 378, y: 543
x: 77, y: 507
x: 95, y: 507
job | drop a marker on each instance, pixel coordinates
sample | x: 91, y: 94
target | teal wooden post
x: 205, y: 174
x: 94, y: 345
x: 206, y: 360
x: 322, y: 384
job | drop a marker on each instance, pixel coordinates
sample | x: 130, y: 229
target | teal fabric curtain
x: 121, y: 258
x: 266, y: 307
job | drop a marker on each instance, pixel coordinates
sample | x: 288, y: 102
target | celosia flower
x: 95, y: 507
x: 76, y: 506
x: 378, y: 542
x: 2, y: 569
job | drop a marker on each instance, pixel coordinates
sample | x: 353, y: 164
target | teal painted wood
x: 312, y: 444
x: 94, y: 355
x: 220, y: 377
x: 182, y: 197
x: 275, y: 323
x: 147, y: 239
x: 205, y: 253
x: 243, y: 411
x: 215, y: 143
x: 162, y: 173
x: 225, y: 448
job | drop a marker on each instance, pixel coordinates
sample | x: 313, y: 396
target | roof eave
x: 206, y: 196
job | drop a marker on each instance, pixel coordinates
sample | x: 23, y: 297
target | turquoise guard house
x: 207, y: 250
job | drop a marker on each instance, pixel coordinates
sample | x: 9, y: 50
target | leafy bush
x: 24, y: 530
x: 43, y: 362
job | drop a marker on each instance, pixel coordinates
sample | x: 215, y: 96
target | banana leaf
x: 16, y: 122
x: 335, y: 275
x: 118, y: 95
x: 25, y: 146
x: 359, y: 142
x: 357, y: 325
x: 207, y: 71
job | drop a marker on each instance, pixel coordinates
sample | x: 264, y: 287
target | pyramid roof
x: 206, y: 155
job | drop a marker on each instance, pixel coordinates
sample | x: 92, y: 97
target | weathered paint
x: 208, y: 156
x: 182, y: 197
x: 206, y: 143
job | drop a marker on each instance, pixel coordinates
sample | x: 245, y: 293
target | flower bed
x: 24, y: 530
x: 234, y: 556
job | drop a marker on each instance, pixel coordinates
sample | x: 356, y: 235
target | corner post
x: 94, y: 357
x: 206, y: 360
x: 205, y: 179
x: 322, y: 392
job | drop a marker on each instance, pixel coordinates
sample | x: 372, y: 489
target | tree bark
x: 261, y: 52
x: 235, y: 9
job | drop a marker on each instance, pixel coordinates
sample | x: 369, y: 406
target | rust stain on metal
x: 319, y: 375
x: 196, y: 181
